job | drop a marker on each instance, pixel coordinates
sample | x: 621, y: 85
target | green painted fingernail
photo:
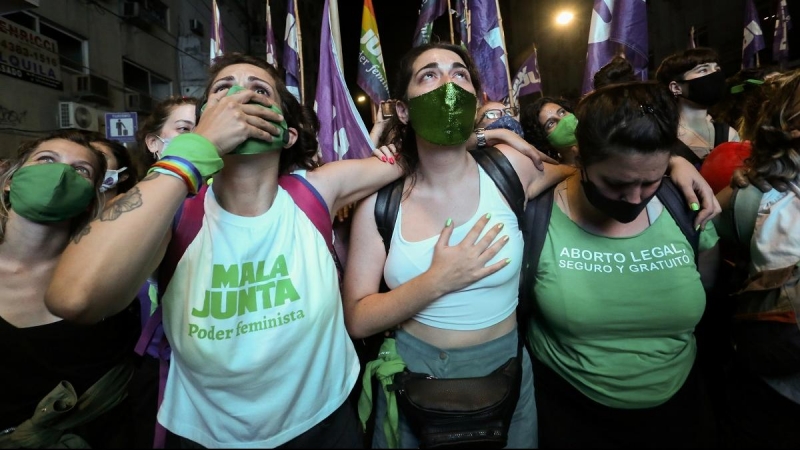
x: 697, y: 228
x: 695, y: 207
x: 448, y: 223
x: 508, y: 260
x: 488, y: 215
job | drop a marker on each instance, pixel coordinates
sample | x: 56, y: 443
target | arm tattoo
x: 84, y: 231
x: 130, y: 201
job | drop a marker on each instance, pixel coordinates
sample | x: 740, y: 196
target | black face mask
x: 619, y: 210
x: 707, y: 90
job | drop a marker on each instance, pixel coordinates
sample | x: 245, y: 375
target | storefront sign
x: 29, y: 56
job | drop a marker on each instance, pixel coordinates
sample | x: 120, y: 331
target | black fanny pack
x: 461, y: 412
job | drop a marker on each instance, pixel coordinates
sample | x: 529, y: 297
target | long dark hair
x: 402, y: 135
x: 301, y: 155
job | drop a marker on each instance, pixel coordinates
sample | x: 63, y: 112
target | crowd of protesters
x: 161, y: 309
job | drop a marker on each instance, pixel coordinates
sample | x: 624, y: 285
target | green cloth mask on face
x: 443, y: 116
x: 257, y: 146
x: 49, y: 192
x: 564, y: 133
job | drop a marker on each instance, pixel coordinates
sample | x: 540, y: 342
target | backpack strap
x: 675, y: 203
x: 309, y: 200
x: 185, y: 226
x: 536, y: 221
x: 744, y: 212
x: 500, y: 170
x: 387, y: 204
x: 491, y: 160
x: 721, y: 132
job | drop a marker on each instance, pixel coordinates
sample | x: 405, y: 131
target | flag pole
x: 269, y: 23
x: 300, y: 52
x: 505, y: 52
x: 468, y: 13
x: 450, y: 15
x: 333, y: 12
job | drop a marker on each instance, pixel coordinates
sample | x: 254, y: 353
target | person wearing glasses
x: 496, y: 115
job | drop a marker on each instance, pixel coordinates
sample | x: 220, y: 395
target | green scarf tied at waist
x: 383, y: 368
x: 62, y: 410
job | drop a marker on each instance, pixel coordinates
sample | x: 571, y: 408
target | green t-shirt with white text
x: 615, y: 316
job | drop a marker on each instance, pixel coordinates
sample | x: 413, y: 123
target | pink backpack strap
x: 311, y: 203
x: 185, y: 226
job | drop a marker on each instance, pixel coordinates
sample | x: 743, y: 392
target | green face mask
x: 49, y: 192
x: 257, y: 146
x: 564, y: 133
x: 443, y: 116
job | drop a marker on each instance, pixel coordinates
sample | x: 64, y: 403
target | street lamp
x: 564, y: 17
x: 361, y: 98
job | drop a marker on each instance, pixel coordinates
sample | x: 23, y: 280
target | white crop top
x: 481, y: 304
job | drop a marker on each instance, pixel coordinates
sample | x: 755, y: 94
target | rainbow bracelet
x: 183, y: 168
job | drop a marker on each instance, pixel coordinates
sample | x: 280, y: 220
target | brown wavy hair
x: 156, y: 120
x: 301, y: 155
x: 776, y: 153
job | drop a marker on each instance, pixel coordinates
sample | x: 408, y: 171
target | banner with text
x: 29, y: 56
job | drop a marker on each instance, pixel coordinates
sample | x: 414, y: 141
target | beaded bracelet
x: 181, y: 167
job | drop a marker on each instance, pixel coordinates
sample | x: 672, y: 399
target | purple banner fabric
x: 780, y: 42
x: 429, y: 11
x: 271, y: 56
x: 342, y: 134
x: 617, y: 27
x: 528, y: 79
x: 753, y: 37
x: 488, y: 49
x: 291, y: 53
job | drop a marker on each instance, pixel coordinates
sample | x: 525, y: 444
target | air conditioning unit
x: 92, y: 88
x: 138, y: 103
x: 76, y: 115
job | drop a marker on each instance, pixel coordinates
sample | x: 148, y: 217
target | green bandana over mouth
x: 52, y: 192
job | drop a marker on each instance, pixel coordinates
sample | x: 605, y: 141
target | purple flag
x: 780, y: 42
x: 753, y: 37
x: 342, y: 134
x: 291, y: 52
x: 527, y: 80
x: 429, y: 10
x: 488, y: 49
x: 617, y: 27
x: 271, y: 58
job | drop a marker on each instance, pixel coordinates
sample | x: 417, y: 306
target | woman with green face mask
x: 453, y: 264
x: 550, y: 126
x: 49, y: 193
